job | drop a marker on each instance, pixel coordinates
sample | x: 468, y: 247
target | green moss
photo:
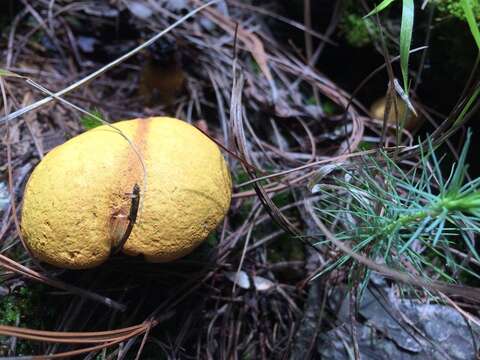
x: 22, y: 308
x: 330, y: 108
x: 454, y: 8
x: 16, y: 306
x: 357, y: 31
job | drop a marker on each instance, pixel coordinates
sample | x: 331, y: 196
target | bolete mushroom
x: 377, y: 111
x: 78, y: 201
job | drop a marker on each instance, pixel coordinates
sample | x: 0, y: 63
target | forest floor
x: 344, y: 238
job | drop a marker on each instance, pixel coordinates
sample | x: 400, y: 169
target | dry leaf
x: 240, y: 278
x: 262, y: 284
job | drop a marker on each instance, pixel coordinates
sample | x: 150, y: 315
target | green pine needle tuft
x: 412, y: 218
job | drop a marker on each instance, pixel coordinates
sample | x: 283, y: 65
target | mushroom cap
x: 77, y: 201
x: 377, y: 111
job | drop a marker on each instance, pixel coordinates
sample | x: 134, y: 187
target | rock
x: 398, y: 329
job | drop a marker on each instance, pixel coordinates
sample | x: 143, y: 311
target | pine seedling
x: 413, y: 218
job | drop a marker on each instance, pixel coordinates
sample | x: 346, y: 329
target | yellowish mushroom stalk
x: 377, y: 111
x: 78, y: 199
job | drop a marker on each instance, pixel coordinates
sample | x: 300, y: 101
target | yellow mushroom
x: 78, y: 199
x: 377, y: 111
